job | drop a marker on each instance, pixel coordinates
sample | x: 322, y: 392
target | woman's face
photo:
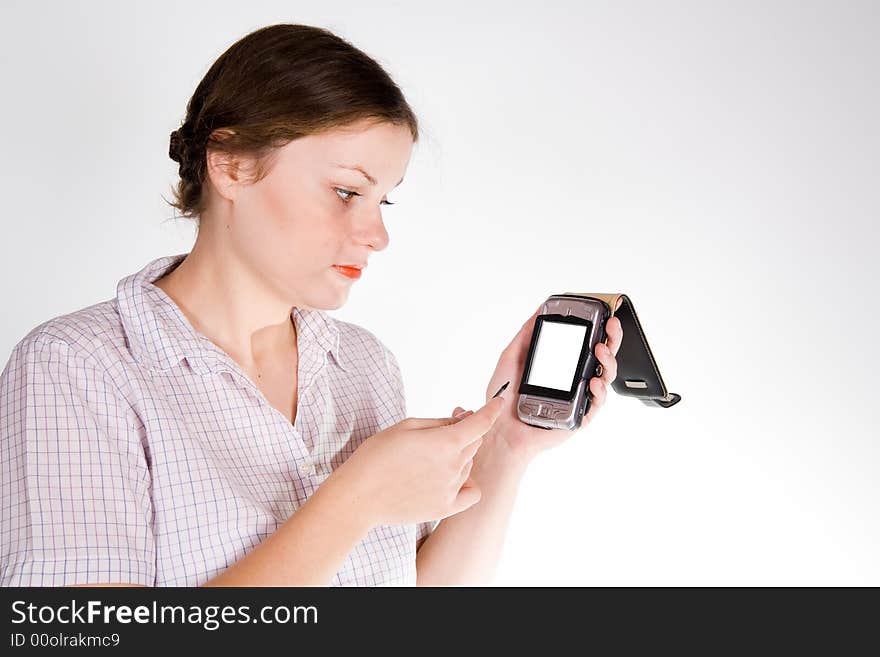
x: 311, y: 212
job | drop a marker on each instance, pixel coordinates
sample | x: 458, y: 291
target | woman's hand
x: 525, y: 440
x: 417, y: 469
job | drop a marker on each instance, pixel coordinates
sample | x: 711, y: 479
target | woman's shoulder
x: 371, y: 359
x: 70, y: 369
x: 358, y: 340
x: 94, y: 332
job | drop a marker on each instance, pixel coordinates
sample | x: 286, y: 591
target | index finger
x: 474, y: 426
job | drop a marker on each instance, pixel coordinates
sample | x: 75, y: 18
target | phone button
x: 548, y: 411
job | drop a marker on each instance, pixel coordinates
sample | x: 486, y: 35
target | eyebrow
x: 372, y: 180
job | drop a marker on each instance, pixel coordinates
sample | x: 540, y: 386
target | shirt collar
x: 160, y: 336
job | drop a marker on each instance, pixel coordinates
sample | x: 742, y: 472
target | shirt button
x: 309, y: 468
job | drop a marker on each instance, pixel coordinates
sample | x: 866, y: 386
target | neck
x: 228, y: 303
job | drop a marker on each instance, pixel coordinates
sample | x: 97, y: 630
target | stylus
x: 500, y: 390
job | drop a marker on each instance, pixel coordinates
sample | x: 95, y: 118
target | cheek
x: 273, y: 211
x: 284, y: 208
x: 294, y: 226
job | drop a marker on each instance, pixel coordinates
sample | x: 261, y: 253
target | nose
x: 371, y: 230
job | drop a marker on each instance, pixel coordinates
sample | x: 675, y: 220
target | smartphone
x: 554, y: 391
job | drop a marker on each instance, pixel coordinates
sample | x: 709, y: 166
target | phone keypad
x: 527, y: 409
x: 547, y: 411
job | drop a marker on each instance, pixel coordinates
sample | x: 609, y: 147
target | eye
x: 341, y: 191
x: 346, y: 199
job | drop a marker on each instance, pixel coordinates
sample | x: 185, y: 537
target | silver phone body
x: 561, y: 351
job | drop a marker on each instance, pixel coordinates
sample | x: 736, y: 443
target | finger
x: 608, y: 371
x: 595, y: 406
x: 474, y: 426
x: 462, y: 416
x: 460, y: 413
x: 599, y: 391
x: 610, y: 374
x: 457, y: 418
x: 430, y: 422
x: 614, y: 334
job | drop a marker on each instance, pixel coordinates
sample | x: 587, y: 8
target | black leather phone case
x: 637, y: 372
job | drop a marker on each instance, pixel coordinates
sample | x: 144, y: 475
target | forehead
x: 375, y: 147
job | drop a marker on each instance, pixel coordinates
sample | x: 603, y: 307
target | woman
x: 211, y: 424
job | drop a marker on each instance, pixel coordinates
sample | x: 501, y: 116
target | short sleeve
x: 423, y: 529
x: 396, y: 379
x: 76, y: 488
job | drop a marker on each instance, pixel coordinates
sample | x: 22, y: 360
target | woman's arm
x: 406, y: 470
x: 464, y: 549
x: 309, y: 548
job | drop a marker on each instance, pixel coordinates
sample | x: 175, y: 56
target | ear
x: 223, y: 169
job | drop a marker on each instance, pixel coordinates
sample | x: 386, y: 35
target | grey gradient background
x: 715, y: 161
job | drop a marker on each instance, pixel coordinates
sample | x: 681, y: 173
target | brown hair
x: 272, y: 86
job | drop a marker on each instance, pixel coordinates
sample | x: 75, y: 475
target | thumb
x: 468, y: 495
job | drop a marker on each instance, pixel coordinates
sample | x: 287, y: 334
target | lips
x: 349, y: 271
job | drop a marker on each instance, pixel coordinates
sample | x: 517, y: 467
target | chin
x: 328, y: 302
x: 323, y: 306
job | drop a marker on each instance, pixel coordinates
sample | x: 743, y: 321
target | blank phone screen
x: 556, y: 355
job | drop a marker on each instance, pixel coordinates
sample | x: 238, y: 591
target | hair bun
x: 176, y: 147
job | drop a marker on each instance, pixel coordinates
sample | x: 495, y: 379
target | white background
x: 716, y: 161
